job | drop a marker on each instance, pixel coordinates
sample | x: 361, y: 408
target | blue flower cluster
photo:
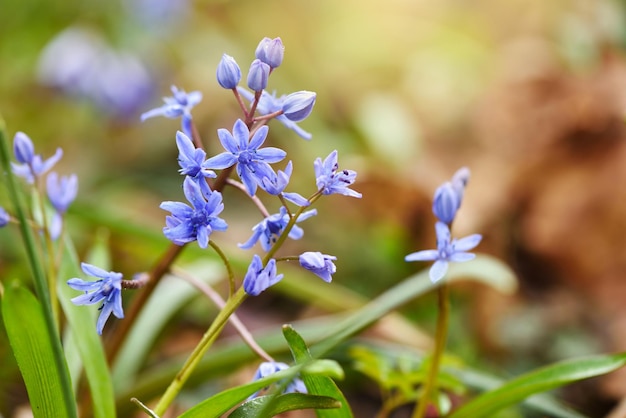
x: 61, y: 191
x: 243, y: 153
x: 446, y: 203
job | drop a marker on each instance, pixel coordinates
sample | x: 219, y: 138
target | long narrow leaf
x: 32, y: 346
x: 283, y: 403
x: 541, y: 380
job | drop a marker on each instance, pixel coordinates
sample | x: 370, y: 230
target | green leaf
x: 541, y: 380
x: 32, y: 345
x: 316, y: 384
x: 283, y: 403
x: 82, y: 324
x: 222, y: 402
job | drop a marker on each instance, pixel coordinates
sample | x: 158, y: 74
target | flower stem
x: 205, y: 343
x: 441, y: 336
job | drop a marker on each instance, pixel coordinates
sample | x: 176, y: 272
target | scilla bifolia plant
x: 52, y: 366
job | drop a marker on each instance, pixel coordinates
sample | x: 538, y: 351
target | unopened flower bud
x: 298, y: 106
x: 258, y: 74
x: 446, y: 203
x: 270, y: 51
x: 228, y: 72
x: 23, y: 148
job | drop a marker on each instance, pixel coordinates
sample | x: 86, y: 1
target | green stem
x: 229, y: 268
x: 194, y: 358
x: 441, y: 336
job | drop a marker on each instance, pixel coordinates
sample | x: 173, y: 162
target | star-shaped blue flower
x: 253, y: 164
x: 191, y: 158
x: 269, y: 103
x: 330, y: 181
x: 270, y: 367
x: 176, y: 106
x: 107, y: 290
x: 196, y: 222
x: 61, y: 193
x: 276, y: 186
x: 270, y: 228
x: 448, y: 250
x: 259, y: 278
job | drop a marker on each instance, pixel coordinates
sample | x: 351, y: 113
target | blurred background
x: 530, y: 95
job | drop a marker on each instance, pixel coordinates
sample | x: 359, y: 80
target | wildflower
x: 270, y: 51
x: 180, y: 104
x: 448, y: 196
x: 252, y: 162
x: 269, y: 103
x: 270, y: 228
x: 320, y: 264
x: 187, y: 224
x: 268, y: 368
x: 228, y: 72
x: 191, y: 158
x: 298, y: 106
x: 61, y: 193
x: 31, y: 165
x: 4, y: 217
x: 107, y: 290
x: 259, y: 278
x: 331, y: 181
x: 257, y: 75
x: 447, y: 251
x: 276, y: 186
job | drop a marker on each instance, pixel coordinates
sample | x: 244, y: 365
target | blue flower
x: 331, y: 181
x: 447, y: 251
x: 191, y: 158
x: 258, y: 75
x: 228, y: 72
x: 270, y: 51
x: 61, y: 193
x: 259, y: 278
x: 448, y: 196
x: 180, y: 104
x: 276, y: 186
x: 107, y: 290
x: 270, y: 228
x: 269, y: 103
x: 268, y: 368
x: 253, y: 164
x: 4, y: 217
x: 187, y: 224
x: 31, y: 165
x: 320, y: 264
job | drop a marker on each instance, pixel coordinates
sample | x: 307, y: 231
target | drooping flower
x: 448, y: 196
x: 253, y: 164
x: 61, y: 193
x: 258, y: 75
x: 228, y: 72
x: 268, y: 368
x: 448, y: 250
x: 4, y: 217
x: 277, y: 184
x: 259, y: 278
x: 190, y: 158
x: 270, y: 51
x: 320, y: 264
x: 197, y: 222
x: 107, y: 290
x: 299, y: 105
x: 269, y: 103
x: 330, y: 181
x: 30, y: 165
x: 270, y: 228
